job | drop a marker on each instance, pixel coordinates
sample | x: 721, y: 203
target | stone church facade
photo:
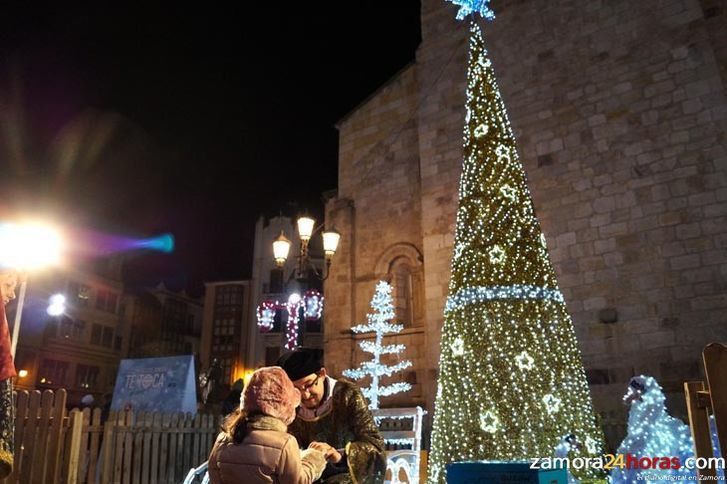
x: 620, y: 114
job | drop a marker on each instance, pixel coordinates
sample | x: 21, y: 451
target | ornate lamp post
x: 311, y: 301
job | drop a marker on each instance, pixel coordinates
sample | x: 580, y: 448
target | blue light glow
x: 467, y: 7
x: 161, y: 243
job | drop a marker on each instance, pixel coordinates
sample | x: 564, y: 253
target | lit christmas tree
x: 380, y: 322
x: 511, y: 379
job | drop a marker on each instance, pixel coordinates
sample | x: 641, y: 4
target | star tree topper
x: 467, y: 7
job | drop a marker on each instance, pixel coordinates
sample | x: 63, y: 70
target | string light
x: 511, y: 380
x: 266, y: 315
x: 378, y: 322
x: 311, y: 303
x: 651, y: 431
x: 524, y: 361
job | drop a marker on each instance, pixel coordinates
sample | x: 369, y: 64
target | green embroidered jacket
x: 348, y: 424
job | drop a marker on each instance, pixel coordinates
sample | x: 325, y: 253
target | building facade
x: 224, y: 328
x: 81, y: 349
x: 162, y: 322
x: 620, y: 114
x: 103, y: 322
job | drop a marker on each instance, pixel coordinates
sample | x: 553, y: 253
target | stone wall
x: 619, y: 110
x: 377, y: 211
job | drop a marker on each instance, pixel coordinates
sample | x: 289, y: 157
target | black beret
x: 301, y: 362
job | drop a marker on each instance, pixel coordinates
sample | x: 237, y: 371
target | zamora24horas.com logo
x: 627, y: 461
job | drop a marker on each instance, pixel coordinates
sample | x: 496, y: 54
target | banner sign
x: 156, y: 384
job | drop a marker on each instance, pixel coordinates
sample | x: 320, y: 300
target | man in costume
x: 334, y: 418
x: 8, y: 281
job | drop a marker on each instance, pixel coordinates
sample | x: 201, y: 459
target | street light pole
x: 18, y: 314
x: 281, y: 249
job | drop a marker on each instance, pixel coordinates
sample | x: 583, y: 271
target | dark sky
x: 187, y: 120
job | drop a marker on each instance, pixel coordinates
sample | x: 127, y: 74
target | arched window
x: 401, y: 283
x: 401, y: 266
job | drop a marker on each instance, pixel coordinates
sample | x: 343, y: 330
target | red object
x: 7, y: 366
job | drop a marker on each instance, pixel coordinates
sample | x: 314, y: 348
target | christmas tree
x: 380, y: 322
x: 511, y: 379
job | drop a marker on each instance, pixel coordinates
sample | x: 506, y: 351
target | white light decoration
x: 473, y: 295
x: 651, y: 431
x: 378, y: 322
x: 291, y: 330
x: 508, y: 192
x: 524, y: 387
x: 266, y: 315
x: 458, y: 251
x: 497, y: 255
x: 406, y: 458
x: 458, y: 346
x: 502, y: 153
x: 313, y: 301
x: 552, y: 403
x: 524, y: 361
x: 592, y: 446
x: 481, y: 130
x: 489, y: 422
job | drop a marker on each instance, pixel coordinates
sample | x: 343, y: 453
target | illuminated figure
x: 652, y: 432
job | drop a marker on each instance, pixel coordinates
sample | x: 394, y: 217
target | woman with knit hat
x: 254, y: 446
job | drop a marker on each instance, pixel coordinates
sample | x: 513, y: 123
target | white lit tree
x: 511, y: 379
x: 380, y: 322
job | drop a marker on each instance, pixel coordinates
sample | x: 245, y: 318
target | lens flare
x: 29, y: 245
x: 162, y: 243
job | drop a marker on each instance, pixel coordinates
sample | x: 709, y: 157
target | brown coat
x: 267, y: 455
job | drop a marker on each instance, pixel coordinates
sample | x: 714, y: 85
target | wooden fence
x: 56, y: 446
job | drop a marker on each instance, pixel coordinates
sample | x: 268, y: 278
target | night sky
x: 192, y: 120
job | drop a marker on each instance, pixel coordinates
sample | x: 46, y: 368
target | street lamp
x: 26, y: 247
x: 309, y: 303
x: 306, y: 229
x: 57, y: 305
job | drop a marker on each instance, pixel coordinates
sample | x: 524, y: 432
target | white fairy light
x: 458, y: 346
x: 379, y: 323
x: 525, y: 386
x: 524, y: 361
x: 552, y: 403
x: 508, y: 192
x: 489, y: 422
x: 481, y: 130
x: 497, y: 255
